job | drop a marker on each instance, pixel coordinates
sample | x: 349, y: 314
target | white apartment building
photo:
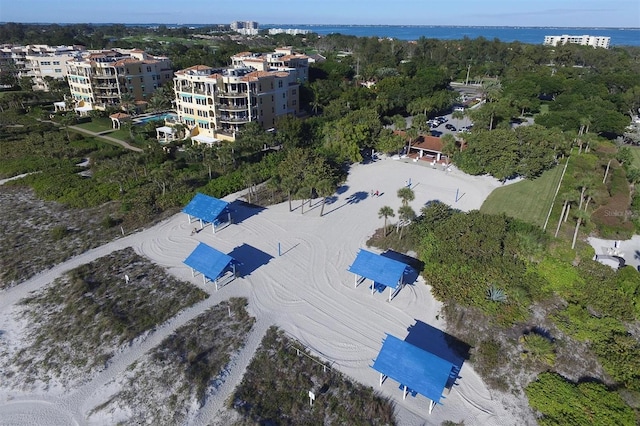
x: 281, y: 59
x: 214, y: 104
x: 37, y: 62
x: 245, y: 27
x: 98, y: 79
x: 585, y: 40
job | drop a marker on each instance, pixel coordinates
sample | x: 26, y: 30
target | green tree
x: 407, y: 195
x: 386, y: 212
x: 406, y: 215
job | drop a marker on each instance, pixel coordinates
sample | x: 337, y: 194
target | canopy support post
x: 381, y: 378
x: 404, y: 393
x: 431, y: 405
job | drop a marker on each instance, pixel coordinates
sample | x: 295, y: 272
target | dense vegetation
x: 543, y: 303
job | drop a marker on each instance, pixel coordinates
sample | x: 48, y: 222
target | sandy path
x: 307, y: 291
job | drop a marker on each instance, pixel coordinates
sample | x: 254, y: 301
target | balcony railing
x: 229, y: 119
x: 226, y: 107
x: 233, y: 95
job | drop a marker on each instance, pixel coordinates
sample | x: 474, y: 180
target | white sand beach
x: 307, y: 291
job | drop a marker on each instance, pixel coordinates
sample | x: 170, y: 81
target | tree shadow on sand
x: 354, y: 198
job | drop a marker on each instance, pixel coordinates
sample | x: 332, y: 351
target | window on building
x: 284, y: 96
x: 58, y: 70
x: 293, y: 102
x: 148, y: 69
x: 293, y: 92
x: 280, y: 83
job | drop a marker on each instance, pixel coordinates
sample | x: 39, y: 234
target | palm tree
x: 127, y: 103
x: 448, y: 146
x: 582, y: 217
x: 458, y: 115
x: 325, y: 188
x: 406, y: 194
x: 412, y: 134
x: 386, y: 212
x: 406, y: 215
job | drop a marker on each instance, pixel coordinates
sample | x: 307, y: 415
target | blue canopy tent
x: 414, y: 368
x: 211, y: 263
x: 207, y: 209
x: 379, y: 269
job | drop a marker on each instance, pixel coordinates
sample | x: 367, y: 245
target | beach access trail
x: 305, y: 290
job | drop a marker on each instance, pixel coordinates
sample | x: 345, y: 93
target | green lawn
x: 635, y: 150
x: 528, y: 200
x: 97, y: 125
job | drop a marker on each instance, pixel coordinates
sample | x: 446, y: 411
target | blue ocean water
x: 529, y: 35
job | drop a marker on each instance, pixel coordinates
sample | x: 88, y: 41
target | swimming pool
x: 171, y: 116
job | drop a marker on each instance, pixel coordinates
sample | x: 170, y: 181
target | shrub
x: 562, y: 402
x: 59, y: 232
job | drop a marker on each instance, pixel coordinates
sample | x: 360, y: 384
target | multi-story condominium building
x: 37, y: 62
x: 245, y: 27
x: 281, y: 59
x: 216, y: 103
x: 100, y: 78
x: 585, y: 40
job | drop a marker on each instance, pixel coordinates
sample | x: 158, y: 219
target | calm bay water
x: 529, y: 35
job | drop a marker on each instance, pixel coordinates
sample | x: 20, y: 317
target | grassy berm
x: 179, y: 375
x: 38, y: 234
x: 275, y: 390
x: 77, y: 323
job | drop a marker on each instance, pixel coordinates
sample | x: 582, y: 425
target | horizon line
x: 323, y: 25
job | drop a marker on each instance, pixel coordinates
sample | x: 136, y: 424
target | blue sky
x: 562, y: 13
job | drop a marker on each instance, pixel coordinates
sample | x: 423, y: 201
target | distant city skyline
x: 538, y: 13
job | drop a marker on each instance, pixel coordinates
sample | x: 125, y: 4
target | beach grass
x: 80, y: 320
x: 185, y: 367
x: 275, y: 389
x: 528, y: 200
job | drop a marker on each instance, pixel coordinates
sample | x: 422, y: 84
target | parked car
x: 450, y: 127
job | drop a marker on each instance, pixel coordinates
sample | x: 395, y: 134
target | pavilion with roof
x: 417, y: 370
x: 383, y: 271
x: 211, y: 263
x: 208, y: 209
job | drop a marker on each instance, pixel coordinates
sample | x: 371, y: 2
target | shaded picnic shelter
x: 208, y: 209
x: 383, y: 271
x: 211, y: 263
x: 417, y: 370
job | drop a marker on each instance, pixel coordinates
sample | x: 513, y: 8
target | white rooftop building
x: 584, y: 40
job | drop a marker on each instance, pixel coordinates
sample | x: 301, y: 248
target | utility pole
x: 466, y: 83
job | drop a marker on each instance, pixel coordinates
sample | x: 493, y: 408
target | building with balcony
x: 214, y: 104
x: 281, y: 59
x: 584, y: 40
x: 37, y: 62
x: 99, y: 79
